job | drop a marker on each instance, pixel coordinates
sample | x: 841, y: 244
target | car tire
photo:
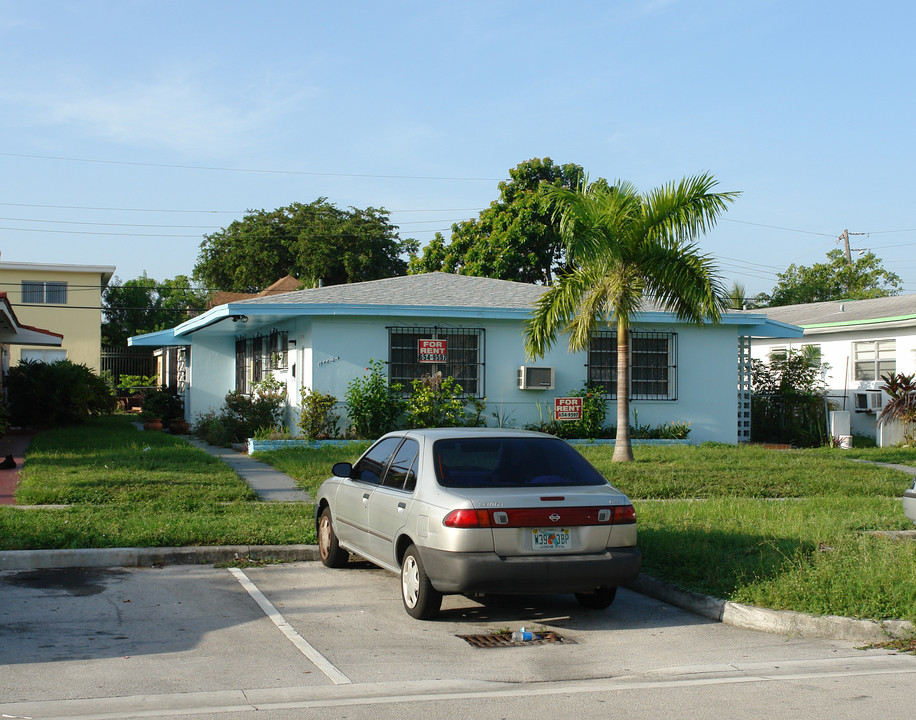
x: 597, y: 599
x: 329, y: 550
x: 421, y: 600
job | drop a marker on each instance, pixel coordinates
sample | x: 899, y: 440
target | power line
x: 246, y: 170
x: 777, y: 227
x: 214, y: 212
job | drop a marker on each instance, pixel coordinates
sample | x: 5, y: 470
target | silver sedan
x: 479, y: 510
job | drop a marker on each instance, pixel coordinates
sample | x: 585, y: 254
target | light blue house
x: 469, y: 328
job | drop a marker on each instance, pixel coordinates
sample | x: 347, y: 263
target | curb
x: 148, y: 557
x: 780, y: 622
x: 747, y: 617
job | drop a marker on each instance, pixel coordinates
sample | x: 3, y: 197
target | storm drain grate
x: 504, y: 639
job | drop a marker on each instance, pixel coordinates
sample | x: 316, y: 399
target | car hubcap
x: 410, y: 581
x: 324, y: 537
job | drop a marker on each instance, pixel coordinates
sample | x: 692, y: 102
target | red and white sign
x: 567, y: 408
x: 432, y: 351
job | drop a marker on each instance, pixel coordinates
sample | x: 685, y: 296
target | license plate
x: 553, y: 539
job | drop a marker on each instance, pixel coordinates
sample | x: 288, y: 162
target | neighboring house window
x: 777, y: 352
x: 46, y: 356
x: 653, y: 364
x: 874, y: 358
x: 44, y: 293
x: 462, y: 358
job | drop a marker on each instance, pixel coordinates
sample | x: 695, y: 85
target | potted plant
x: 161, y: 406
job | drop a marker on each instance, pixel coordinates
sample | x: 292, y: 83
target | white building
x: 859, y: 341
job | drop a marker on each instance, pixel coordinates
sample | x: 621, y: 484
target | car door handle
x: 402, y: 506
x: 365, y: 498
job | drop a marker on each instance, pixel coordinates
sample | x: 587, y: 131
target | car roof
x: 466, y: 432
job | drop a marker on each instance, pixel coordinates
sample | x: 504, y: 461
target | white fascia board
x: 28, y: 336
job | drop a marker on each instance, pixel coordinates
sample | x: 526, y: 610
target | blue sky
x: 129, y: 129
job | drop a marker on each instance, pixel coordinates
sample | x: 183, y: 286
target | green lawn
x: 106, y: 484
x: 780, y: 529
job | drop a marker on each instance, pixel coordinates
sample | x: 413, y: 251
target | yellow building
x: 65, y: 299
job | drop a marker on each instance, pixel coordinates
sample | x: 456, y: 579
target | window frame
x: 601, y: 365
x: 873, y: 347
x: 42, y: 292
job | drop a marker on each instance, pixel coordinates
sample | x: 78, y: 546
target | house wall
x: 839, y: 374
x: 332, y: 351
x: 211, y: 374
x: 79, y: 320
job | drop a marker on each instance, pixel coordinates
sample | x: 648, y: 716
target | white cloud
x: 177, y: 112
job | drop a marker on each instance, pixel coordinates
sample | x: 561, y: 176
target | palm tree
x: 627, y: 248
x: 737, y: 299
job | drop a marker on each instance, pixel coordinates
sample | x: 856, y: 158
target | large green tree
x: 314, y: 242
x: 624, y: 248
x: 835, y: 279
x: 142, y: 305
x: 516, y: 238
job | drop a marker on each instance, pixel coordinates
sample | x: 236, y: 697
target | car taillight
x: 624, y: 515
x: 467, y: 519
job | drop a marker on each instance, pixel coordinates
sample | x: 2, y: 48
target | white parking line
x: 317, y: 659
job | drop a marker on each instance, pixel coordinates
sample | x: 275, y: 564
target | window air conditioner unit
x: 535, y: 378
x: 868, y: 401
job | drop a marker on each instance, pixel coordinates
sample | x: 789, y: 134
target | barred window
x: 277, y: 343
x: 250, y: 362
x: 44, y: 293
x: 653, y: 364
x: 463, y: 357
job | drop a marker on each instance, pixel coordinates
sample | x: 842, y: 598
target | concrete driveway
x: 283, y: 639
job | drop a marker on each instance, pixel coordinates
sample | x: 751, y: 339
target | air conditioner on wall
x: 535, y: 378
x: 868, y: 401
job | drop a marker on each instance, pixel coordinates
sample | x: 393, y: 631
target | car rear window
x: 508, y: 462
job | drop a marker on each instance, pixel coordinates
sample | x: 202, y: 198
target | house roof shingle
x: 844, y: 312
x: 427, y: 289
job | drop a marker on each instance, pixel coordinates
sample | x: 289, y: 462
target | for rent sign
x: 567, y: 408
x: 432, y: 351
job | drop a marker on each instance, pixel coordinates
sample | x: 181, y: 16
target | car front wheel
x: 598, y: 599
x: 421, y: 600
x: 332, y: 555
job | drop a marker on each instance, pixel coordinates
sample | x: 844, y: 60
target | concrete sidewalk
x: 271, y: 485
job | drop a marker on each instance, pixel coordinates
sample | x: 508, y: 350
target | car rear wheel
x: 421, y: 600
x: 597, y: 599
x: 332, y: 555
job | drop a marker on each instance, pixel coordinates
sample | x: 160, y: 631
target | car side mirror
x: 342, y: 469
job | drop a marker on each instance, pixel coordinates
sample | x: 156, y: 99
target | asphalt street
x: 300, y: 640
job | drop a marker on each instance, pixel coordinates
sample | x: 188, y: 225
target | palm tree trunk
x: 623, y: 451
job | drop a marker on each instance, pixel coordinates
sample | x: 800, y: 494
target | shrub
x: 316, y: 417
x: 591, y: 426
x: 373, y: 406
x: 54, y: 394
x: 788, y: 402
x: 163, y: 404
x: 440, y: 402
x: 242, y: 415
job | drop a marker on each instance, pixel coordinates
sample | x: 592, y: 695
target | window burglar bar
x: 653, y: 364
x: 464, y: 356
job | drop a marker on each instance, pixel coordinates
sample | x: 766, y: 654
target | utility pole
x: 845, y: 238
